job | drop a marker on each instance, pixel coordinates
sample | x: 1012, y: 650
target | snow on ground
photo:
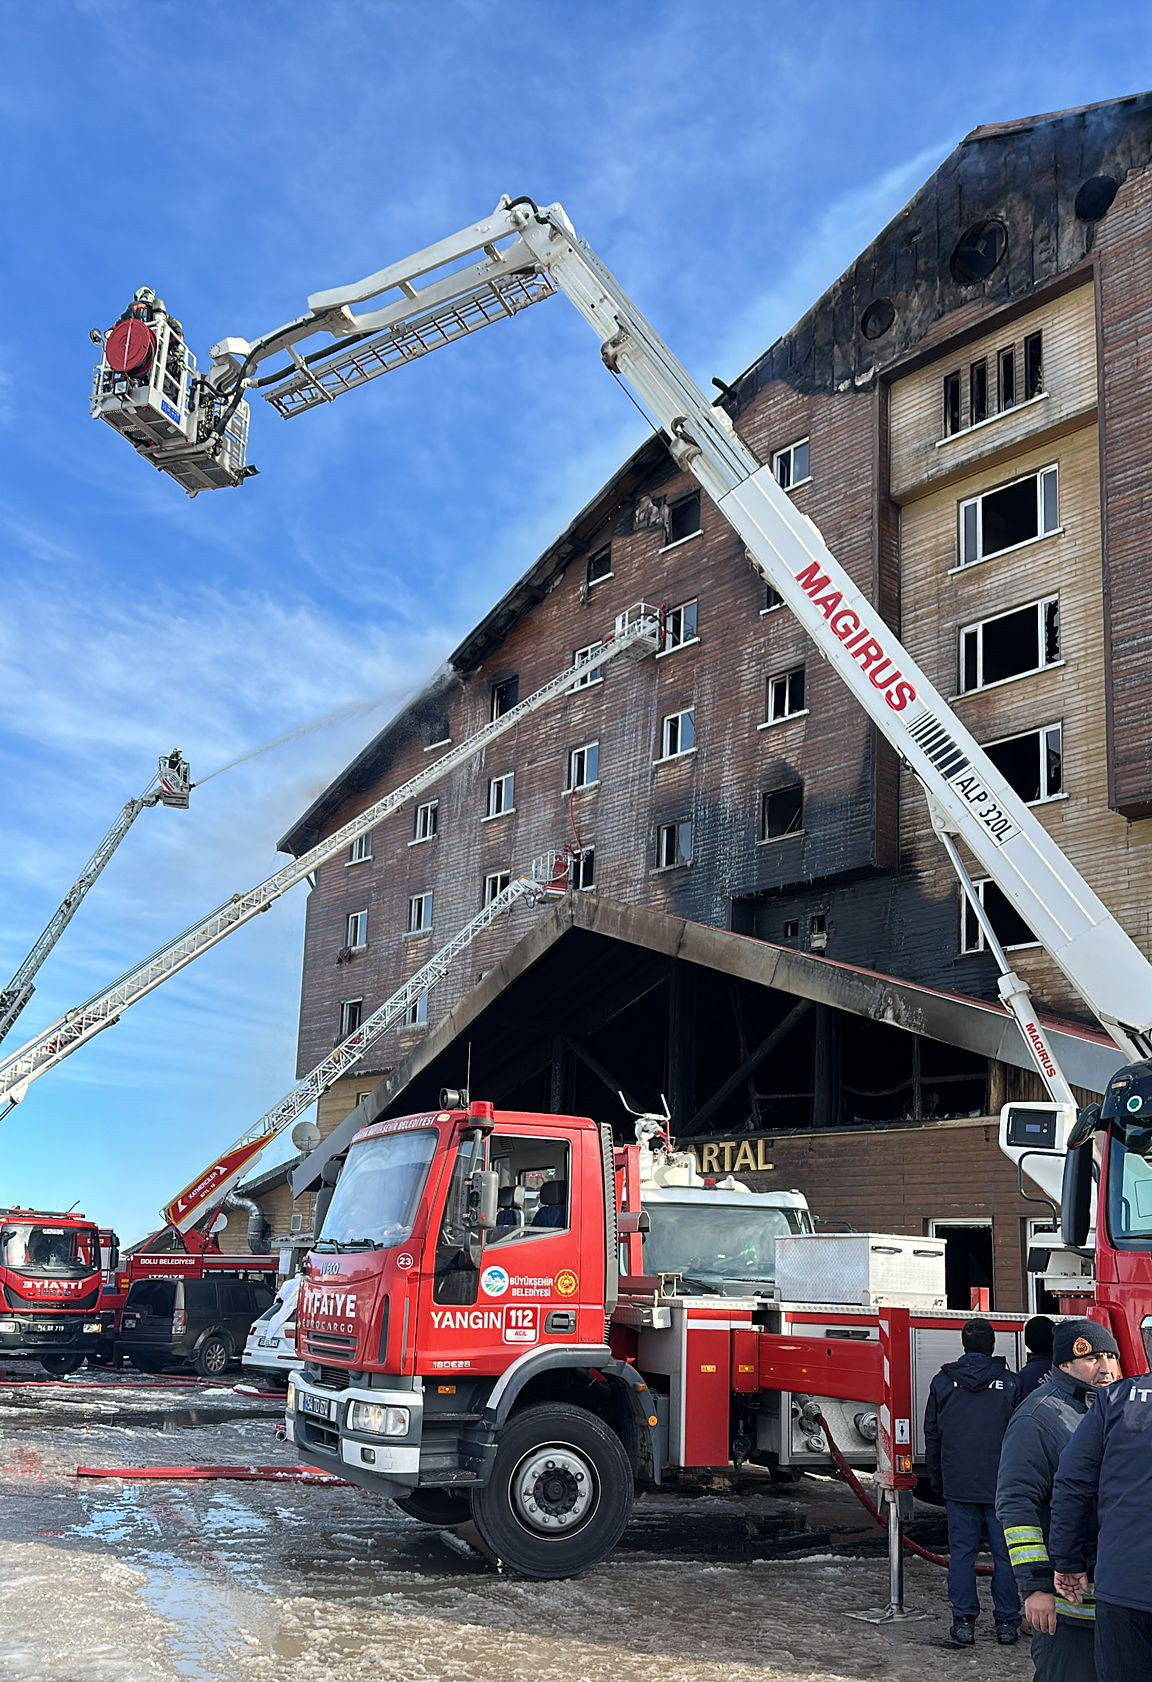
x: 206, y: 1582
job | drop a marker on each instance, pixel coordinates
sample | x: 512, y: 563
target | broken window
x: 1008, y: 926
x: 1031, y: 763
x: 791, y: 928
x: 680, y: 625
x: 582, y: 872
x: 351, y: 1012
x: 683, y: 518
x: 772, y: 599
x: 1010, y: 645
x: 782, y: 812
x: 361, y: 849
x: 1006, y: 376
x: 583, y: 767
x: 439, y: 730
x: 678, y: 734
x: 790, y: 465
x: 674, y: 844
x: 505, y: 695
x: 1033, y: 365
x: 785, y: 695
x: 501, y: 794
x: 1013, y: 514
x: 951, y: 404
x: 427, y: 821
x: 978, y: 392
x: 818, y: 931
x: 600, y: 565
x: 419, y: 913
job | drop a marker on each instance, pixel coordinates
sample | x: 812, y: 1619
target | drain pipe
x: 257, y: 1225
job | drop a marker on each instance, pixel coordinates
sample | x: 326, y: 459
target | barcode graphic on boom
x: 928, y: 733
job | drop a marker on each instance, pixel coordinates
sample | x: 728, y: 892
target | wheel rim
x: 215, y: 1357
x: 554, y: 1489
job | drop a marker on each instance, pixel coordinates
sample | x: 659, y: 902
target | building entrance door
x: 967, y: 1259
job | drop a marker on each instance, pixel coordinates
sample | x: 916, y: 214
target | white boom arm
x: 636, y: 633
x: 548, y: 878
x: 169, y: 787
x: 522, y: 254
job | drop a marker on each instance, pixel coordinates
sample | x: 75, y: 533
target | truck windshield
x: 49, y: 1249
x: 377, y: 1193
x: 723, y: 1249
x: 1130, y: 1186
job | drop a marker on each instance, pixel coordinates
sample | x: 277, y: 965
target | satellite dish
x: 306, y: 1136
x: 219, y: 1222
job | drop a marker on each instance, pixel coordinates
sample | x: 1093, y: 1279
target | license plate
x: 47, y: 1326
x: 267, y: 1343
x: 318, y: 1405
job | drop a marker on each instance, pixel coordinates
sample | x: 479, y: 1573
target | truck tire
x: 212, y: 1357
x: 61, y: 1364
x: 560, y: 1493
x: 436, y: 1506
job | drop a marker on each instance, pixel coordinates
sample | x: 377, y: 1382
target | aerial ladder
x: 635, y: 634
x: 523, y: 254
x: 546, y: 879
x: 169, y: 787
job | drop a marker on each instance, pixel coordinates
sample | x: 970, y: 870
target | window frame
x: 980, y: 883
x: 347, y: 1026
x: 498, y: 704
x: 591, y: 674
x: 495, y: 881
x: 788, y: 453
x: 786, y: 679
x: 672, y: 644
x: 364, y: 844
x: 591, y: 579
x: 582, y: 864
x: 671, y: 508
x: 1041, y: 475
x: 586, y: 782
x: 360, y: 918
x: 978, y: 391
x: 667, y: 752
x: 430, y: 831
x: 416, y: 1016
x: 1041, y: 732
x: 977, y: 627
x: 419, y: 922
x: 500, y: 806
x: 767, y: 840
x: 952, y: 411
x: 674, y: 829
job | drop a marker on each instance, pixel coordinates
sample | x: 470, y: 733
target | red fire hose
x: 234, y: 1474
x: 866, y: 1500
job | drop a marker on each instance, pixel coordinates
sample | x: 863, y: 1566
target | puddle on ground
x: 91, y: 1409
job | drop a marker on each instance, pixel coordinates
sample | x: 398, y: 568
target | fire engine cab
x: 50, y: 1278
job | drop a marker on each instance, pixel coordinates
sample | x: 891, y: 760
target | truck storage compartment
x: 862, y: 1270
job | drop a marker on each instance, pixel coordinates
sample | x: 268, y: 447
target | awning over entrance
x: 590, y: 960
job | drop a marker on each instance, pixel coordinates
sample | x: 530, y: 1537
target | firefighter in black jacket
x: 969, y: 1406
x: 1038, y: 1342
x: 1102, y: 1506
x: 1084, y: 1360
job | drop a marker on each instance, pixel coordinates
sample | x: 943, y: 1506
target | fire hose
x: 866, y: 1500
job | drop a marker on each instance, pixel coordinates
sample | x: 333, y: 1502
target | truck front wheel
x: 560, y: 1493
x: 62, y: 1364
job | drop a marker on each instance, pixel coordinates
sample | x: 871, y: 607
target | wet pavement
x: 104, y: 1581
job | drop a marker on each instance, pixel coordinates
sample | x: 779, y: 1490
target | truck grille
x: 331, y: 1378
x: 317, y: 1434
x: 328, y: 1343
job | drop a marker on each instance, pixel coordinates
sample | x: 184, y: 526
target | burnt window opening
x: 951, y: 404
x: 600, y: 565
x: 1013, y: 514
x: 1006, y: 377
x: 979, y: 251
x: 791, y: 928
x: 772, y: 598
x: 674, y: 844
x: 438, y: 731
x: 1010, y: 645
x: 505, y: 695
x: 683, y: 518
x: 877, y: 318
x: 1008, y: 926
x: 1094, y: 197
x: 1031, y: 763
x: 1033, y: 365
x: 782, y: 812
x: 978, y: 392
x: 817, y: 931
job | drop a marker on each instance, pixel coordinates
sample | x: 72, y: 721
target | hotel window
x: 772, y: 599
x: 505, y: 695
x: 683, y: 519
x: 1033, y: 365
x: 351, y: 1012
x: 978, y: 392
x: 501, y: 794
x: 590, y: 674
x: 674, y: 844
x: 582, y: 872
x: 782, y: 812
x: 494, y: 884
x: 1009, y: 516
x: 1008, y: 926
x: 678, y: 734
x: 784, y: 695
x: 1031, y: 763
x: 599, y: 566
x: 427, y: 821
x: 1014, y: 644
x: 356, y: 930
x: 951, y: 404
x: 439, y: 731
x: 360, y: 850
x: 416, y: 1016
x: 1006, y: 375
x: 680, y: 626
x: 790, y: 465
x: 419, y: 913
x: 583, y: 767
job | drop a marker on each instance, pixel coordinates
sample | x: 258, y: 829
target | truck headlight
x: 290, y: 1398
x: 93, y: 1326
x: 9, y: 1325
x: 377, y: 1420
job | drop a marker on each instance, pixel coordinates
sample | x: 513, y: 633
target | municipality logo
x: 494, y: 1281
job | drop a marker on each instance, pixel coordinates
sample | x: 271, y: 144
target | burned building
x: 960, y: 416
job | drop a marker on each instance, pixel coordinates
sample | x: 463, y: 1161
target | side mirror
x: 114, y: 1257
x: 483, y: 1199
x: 1076, y: 1198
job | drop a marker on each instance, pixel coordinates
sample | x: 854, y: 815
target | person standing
x: 1084, y: 1360
x: 1038, y: 1342
x: 1101, y: 1504
x: 969, y: 1405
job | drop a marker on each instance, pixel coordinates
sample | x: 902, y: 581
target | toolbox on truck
x: 862, y: 1270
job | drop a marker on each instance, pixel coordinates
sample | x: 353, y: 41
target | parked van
x: 200, y: 1323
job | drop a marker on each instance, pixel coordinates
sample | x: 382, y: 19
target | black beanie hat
x: 1073, y: 1339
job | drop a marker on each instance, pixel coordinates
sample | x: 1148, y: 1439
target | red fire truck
x: 50, y: 1283
x: 483, y: 1336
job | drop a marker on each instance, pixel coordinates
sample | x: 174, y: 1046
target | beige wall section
x: 341, y: 1099
x: 1113, y: 855
x: 922, y: 458
x: 278, y: 1209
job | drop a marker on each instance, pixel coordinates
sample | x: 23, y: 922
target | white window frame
x: 780, y: 685
x: 578, y: 777
x: 426, y: 825
x: 419, y: 913
x: 494, y: 884
x: 601, y: 577
x: 674, y: 621
x: 501, y: 796
x: 789, y: 834
x: 788, y: 454
x: 978, y: 625
x: 976, y: 504
x: 673, y: 829
x: 590, y: 674
x: 980, y: 883
x: 583, y: 862
x: 347, y: 1027
x: 416, y: 1016
x: 675, y: 542
x: 356, y: 930
x: 1042, y: 732
x: 672, y: 734
x: 771, y: 607
x: 360, y: 850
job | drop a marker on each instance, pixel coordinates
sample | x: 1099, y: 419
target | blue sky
x: 726, y: 159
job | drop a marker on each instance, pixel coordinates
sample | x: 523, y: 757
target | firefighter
x: 1038, y: 1343
x: 1100, y: 1506
x: 1084, y: 1360
x: 969, y: 1405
